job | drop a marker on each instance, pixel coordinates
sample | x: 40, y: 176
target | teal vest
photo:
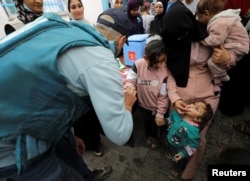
x: 36, y: 106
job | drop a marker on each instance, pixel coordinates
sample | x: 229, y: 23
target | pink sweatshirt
x: 151, y: 87
x: 199, y: 85
x: 226, y: 28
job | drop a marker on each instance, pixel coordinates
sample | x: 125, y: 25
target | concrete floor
x: 136, y: 162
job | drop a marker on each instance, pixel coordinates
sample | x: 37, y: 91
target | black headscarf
x: 156, y: 24
x: 180, y: 28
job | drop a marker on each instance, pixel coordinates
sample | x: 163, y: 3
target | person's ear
x: 121, y: 41
x: 206, y: 13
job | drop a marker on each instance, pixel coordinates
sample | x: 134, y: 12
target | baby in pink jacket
x: 224, y: 28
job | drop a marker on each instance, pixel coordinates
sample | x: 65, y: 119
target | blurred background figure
x: 146, y: 18
x: 118, y: 4
x: 156, y: 24
x: 152, y: 9
x: 135, y: 17
x: 191, y: 4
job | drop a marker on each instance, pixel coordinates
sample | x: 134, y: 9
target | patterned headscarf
x: 25, y: 15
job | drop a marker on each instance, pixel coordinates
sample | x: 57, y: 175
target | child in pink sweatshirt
x: 224, y: 28
x: 149, y: 76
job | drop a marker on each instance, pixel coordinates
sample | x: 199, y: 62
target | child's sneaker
x: 97, y: 152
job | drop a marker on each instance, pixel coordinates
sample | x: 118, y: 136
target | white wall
x: 92, y: 8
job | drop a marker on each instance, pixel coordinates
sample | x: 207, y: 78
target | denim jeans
x: 62, y: 164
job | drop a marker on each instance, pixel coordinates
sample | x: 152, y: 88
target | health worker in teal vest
x: 51, y: 70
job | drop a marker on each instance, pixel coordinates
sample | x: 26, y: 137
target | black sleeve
x: 8, y: 29
x: 134, y: 68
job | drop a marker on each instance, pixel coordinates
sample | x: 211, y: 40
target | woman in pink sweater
x: 189, y: 79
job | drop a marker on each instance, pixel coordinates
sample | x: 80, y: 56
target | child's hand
x: 177, y: 157
x: 80, y: 146
x: 159, y: 121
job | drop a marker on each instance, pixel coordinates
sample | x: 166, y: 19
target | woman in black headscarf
x: 189, y: 78
x: 156, y: 24
x: 135, y: 17
x: 179, y: 29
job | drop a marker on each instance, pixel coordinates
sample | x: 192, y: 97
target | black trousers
x: 151, y: 129
x: 88, y: 128
x: 61, y: 163
x: 235, y: 94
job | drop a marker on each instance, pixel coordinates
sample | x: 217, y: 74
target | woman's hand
x: 221, y: 56
x: 180, y: 106
x: 177, y: 157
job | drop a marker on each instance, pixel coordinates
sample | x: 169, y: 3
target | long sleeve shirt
x: 106, y: 94
x: 200, y: 86
x: 151, y: 87
x: 182, y: 135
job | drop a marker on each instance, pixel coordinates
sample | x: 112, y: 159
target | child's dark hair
x: 153, y: 50
x: 207, y: 116
x: 213, y: 6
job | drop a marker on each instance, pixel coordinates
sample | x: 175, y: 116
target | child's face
x: 196, y: 110
x: 118, y: 4
x: 160, y: 60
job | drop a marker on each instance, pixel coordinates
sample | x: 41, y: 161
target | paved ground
x: 138, y: 163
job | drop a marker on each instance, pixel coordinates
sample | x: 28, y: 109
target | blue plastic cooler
x: 135, y: 49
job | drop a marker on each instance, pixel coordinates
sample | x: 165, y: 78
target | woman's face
x: 76, y: 9
x: 159, y: 8
x: 118, y: 4
x: 134, y: 11
x: 35, y: 5
x: 152, y: 6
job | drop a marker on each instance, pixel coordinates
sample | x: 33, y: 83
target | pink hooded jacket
x: 151, y: 87
x: 199, y: 86
x: 226, y: 28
